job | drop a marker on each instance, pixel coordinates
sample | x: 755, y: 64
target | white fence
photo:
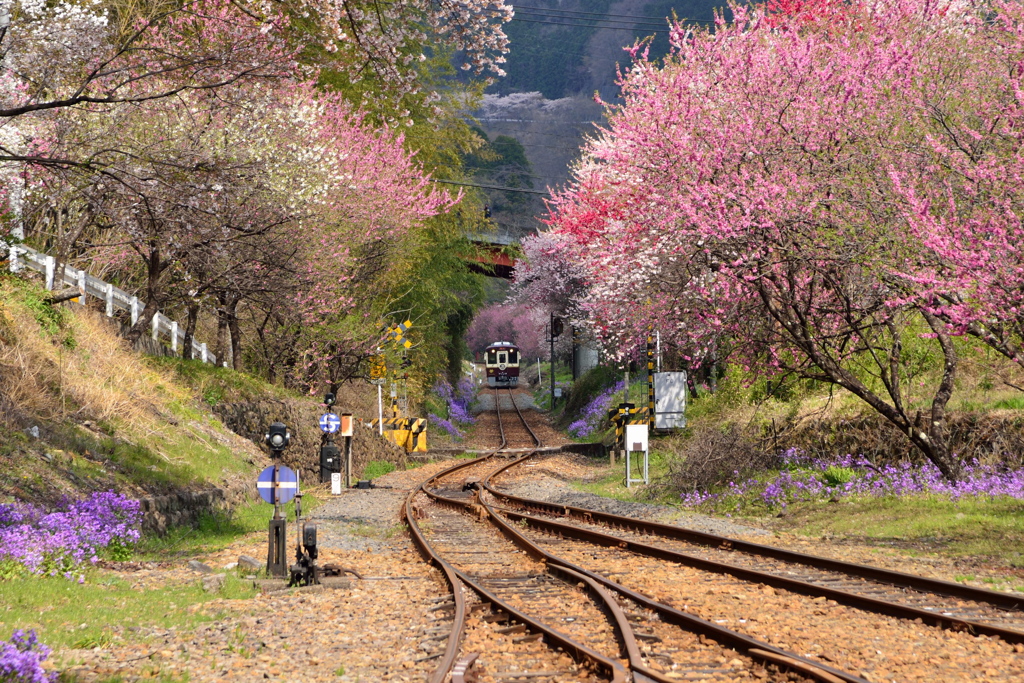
x: 116, y: 299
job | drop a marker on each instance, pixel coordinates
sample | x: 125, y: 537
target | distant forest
x: 562, y: 48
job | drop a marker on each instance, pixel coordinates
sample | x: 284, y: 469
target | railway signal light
x: 277, y: 437
x: 329, y: 399
x: 557, y: 326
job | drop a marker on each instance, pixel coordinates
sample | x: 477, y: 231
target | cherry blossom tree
x: 771, y: 193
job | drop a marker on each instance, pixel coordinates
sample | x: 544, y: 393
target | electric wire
x: 493, y: 187
x: 519, y: 8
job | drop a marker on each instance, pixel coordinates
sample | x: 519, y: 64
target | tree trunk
x: 236, y: 334
x: 154, y: 269
x: 223, y: 342
x: 190, y: 329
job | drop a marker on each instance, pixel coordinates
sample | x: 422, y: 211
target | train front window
x: 502, y: 357
x: 513, y: 357
x: 492, y: 357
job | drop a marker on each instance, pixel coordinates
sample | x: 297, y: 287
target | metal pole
x: 552, y: 335
x: 650, y: 382
x: 380, y: 409
x: 657, y: 337
x: 348, y: 462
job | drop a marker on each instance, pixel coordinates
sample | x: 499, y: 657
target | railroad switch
x: 305, y: 572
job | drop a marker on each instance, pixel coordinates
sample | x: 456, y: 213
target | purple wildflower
x: 592, y: 415
x: 21, y: 660
x: 59, y: 542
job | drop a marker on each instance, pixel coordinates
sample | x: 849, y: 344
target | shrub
x: 708, y: 457
x: 836, y: 475
x: 456, y: 400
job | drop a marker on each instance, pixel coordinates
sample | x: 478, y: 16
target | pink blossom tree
x: 769, y: 193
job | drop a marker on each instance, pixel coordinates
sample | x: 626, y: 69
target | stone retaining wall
x: 251, y: 418
x: 185, y: 508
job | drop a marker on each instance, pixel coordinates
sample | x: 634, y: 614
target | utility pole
x: 553, y: 361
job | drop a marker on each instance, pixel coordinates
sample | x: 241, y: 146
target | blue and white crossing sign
x: 287, y: 484
x: 329, y: 423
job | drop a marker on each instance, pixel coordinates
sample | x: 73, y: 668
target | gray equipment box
x: 669, y: 400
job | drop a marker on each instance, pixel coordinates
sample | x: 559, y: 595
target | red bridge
x: 495, y: 257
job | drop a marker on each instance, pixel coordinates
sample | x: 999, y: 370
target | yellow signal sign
x: 378, y: 367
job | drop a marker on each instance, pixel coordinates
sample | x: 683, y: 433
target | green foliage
x: 377, y: 468
x: 215, y: 531
x: 54, y: 321
x: 836, y: 476
x: 1014, y: 403
x: 214, y: 383
x: 120, y: 550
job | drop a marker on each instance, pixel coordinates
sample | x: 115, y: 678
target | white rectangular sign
x: 669, y: 400
x: 636, y: 438
x: 336, y: 483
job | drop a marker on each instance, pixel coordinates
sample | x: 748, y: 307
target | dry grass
x: 69, y: 363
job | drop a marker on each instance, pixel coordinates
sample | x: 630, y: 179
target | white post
x: 50, y: 265
x: 110, y: 300
x: 657, y: 347
x: 380, y: 409
x: 202, y: 350
x: 81, y: 287
x: 156, y: 325
x: 15, y: 263
x: 540, y: 378
x: 174, y: 336
x: 135, y: 310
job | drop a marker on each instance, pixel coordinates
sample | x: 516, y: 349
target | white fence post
x: 135, y: 310
x: 110, y: 300
x: 156, y: 325
x: 15, y: 265
x: 50, y: 266
x: 174, y: 336
x: 81, y: 287
x: 202, y: 350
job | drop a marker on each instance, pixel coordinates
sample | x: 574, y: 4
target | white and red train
x: 502, y: 362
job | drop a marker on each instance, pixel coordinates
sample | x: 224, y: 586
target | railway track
x: 570, y: 594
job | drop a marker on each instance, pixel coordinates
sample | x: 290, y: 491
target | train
x: 502, y: 362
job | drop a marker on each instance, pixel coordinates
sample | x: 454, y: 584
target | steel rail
x: 751, y: 646
x: 615, y: 671
x: 894, y: 578
x: 876, y: 605
x: 451, y: 651
x: 451, y: 575
x: 533, y: 435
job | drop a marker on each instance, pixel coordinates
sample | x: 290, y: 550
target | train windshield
x: 513, y: 356
x: 492, y: 357
x: 502, y: 357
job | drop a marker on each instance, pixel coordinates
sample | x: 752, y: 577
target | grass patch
x: 377, y: 468
x: 610, y: 481
x: 984, y: 527
x: 215, y: 383
x: 66, y: 614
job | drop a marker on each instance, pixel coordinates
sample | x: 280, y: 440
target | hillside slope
x: 82, y: 412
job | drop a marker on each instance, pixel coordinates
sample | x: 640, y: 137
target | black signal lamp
x: 278, y: 437
x: 329, y: 399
